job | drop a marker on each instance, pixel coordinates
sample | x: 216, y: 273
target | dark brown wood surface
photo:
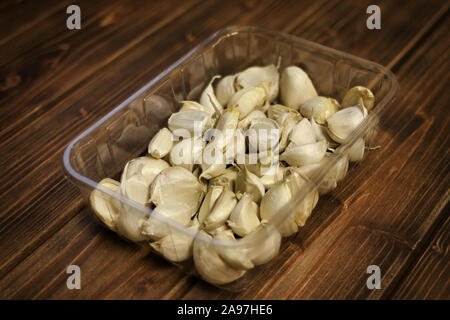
x: 54, y: 83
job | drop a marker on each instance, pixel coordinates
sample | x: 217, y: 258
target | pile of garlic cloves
x: 282, y: 132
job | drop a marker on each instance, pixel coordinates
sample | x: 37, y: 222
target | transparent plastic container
x: 123, y: 134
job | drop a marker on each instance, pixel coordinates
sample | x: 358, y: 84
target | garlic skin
x: 244, y: 217
x: 208, y: 203
x: 221, y: 210
x: 187, y: 122
x: 302, y: 133
x: 263, y: 243
x: 186, y: 153
x: 161, y: 144
x: 209, y: 99
x: 225, y: 89
x: 263, y: 134
x: 255, y: 75
x: 176, y: 184
x: 341, y: 124
x: 249, y: 99
x: 247, y: 182
x: 177, y: 246
x: 104, y: 206
x: 193, y: 105
x: 304, y: 154
x: 244, y: 124
x: 295, y: 87
x: 359, y: 95
x: 319, y: 108
x: 210, y: 265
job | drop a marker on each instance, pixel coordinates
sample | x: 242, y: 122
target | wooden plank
x: 35, y: 80
x: 50, y: 165
x: 386, y: 207
x: 430, y: 276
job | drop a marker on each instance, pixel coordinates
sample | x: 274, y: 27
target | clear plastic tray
x: 123, y: 134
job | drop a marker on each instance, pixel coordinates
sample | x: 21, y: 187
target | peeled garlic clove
x: 177, y: 246
x: 210, y: 265
x: 227, y: 179
x: 244, y: 217
x: 221, y: 210
x: 255, y: 75
x: 249, y: 99
x: 281, y: 113
x: 176, y: 184
x: 295, y: 87
x: 263, y: 134
x: 213, y: 170
x: 156, y: 228
x: 161, y: 144
x: 302, y: 133
x: 272, y: 177
x: 130, y: 222
x: 187, y: 122
x: 194, y: 105
x: 209, y: 100
x: 186, y: 153
x: 356, y: 151
x: 342, y: 123
x: 263, y: 243
x: 104, y: 206
x: 208, y: 203
x: 305, y: 154
x: 255, y: 114
x: 226, y: 126
x: 271, y: 204
x: 359, y: 96
x: 225, y: 89
x: 286, y: 130
x: 303, y: 210
x: 319, y: 108
x: 247, y: 182
x: 234, y: 255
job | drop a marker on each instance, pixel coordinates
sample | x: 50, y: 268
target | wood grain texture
x: 44, y: 225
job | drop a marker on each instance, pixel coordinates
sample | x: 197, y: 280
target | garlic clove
x: 177, y: 246
x: 221, y: 210
x: 356, y: 151
x: 186, y: 153
x: 225, y: 89
x: 155, y: 228
x: 359, y: 96
x: 244, y: 124
x: 209, y: 99
x: 247, y: 182
x: 302, y: 133
x: 273, y: 176
x: 194, y: 105
x: 286, y: 130
x: 305, y: 154
x: 176, y: 184
x: 341, y: 124
x: 319, y: 108
x: 227, y: 179
x: 104, y: 206
x: 281, y: 113
x: 226, y: 126
x: 210, y: 265
x: 189, y: 122
x: 295, y: 87
x: 263, y: 135
x: 255, y: 75
x: 130, y: 222
x: 161, y: 144
x: 244, y: 217
x: 249, y: 99
x: 235, y: 256
x: 263, y: 243
x: 208, y: 203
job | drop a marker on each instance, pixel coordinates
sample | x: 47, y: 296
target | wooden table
x: 55, y: 83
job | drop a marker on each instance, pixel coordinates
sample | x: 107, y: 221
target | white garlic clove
x: 210, y: 199
x: 319, y: 108
x: 295, y: 87
x: 302, y: 133
x: 225, y: 89
x: 161, y: 144
x: 209, y: 99
x: 281, y: 113
x: 255, y: 75
x: 255, y: 114
x: 104, y: 206
x: 272, y: 177
x: 247, y: 182
x: 263, y: 134
x: 156, y: 228
x: 359, y: 96
x: 249, y: 99
x: 263, y: 243
x: 286, y: 129
x: 341, y: 124
x: 210, y: 265
x: 244, y: 217
x: 213, y: 170
x: 176, y: 184
x: 189, y: 122
x: 305, y: 154
x: 194, y: 105
x: 227, y: 179
x: 235, y: 255
x: 186, y: 153
x: 225, y: 127
x: 356, y: 151
x: 221, y: 210
x: 177, y: 246
x: 130, y: 222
